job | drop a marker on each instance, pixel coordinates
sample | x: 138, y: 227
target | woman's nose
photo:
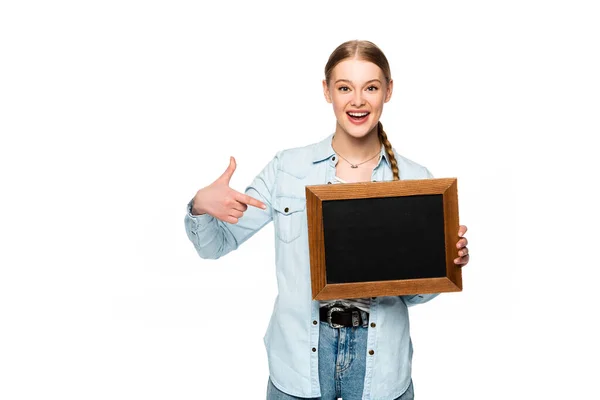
x: 357, y: 99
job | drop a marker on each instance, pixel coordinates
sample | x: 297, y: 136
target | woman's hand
x: 221, y: 201
x: 461, y: 245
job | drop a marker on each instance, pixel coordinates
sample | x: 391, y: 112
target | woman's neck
x: 356, y: 149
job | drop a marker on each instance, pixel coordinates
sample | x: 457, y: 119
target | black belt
x: 339, y: 317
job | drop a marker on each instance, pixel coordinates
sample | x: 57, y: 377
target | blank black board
x: 409, y: 228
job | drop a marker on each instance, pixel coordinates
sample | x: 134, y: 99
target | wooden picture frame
x: 373, y: 239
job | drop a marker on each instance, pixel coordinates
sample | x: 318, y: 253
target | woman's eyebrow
x: 349, y: 81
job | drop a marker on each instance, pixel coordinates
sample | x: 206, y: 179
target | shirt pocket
x: 289, y: 217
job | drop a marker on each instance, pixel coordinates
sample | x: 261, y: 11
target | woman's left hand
x: 461, y: 245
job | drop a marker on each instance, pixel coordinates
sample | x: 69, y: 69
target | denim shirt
x: 292, y: 337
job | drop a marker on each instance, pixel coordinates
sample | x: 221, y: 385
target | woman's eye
x: 372, y: 88
x: 343, y: 88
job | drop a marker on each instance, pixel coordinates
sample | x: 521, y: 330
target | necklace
x: 356, y: 165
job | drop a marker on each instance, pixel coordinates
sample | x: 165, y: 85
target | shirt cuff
x: 198, y: 219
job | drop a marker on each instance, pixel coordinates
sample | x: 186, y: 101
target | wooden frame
x: 448, y: 280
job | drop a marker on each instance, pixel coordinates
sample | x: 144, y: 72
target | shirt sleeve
x: 214, y: 238
x: 429, y: 174
x: 413, y: 300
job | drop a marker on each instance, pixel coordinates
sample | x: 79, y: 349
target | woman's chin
x: 358, y: 132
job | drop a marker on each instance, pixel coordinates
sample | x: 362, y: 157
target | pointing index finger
x: 251, y: 201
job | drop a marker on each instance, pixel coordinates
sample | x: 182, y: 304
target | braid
x: 389, y: 151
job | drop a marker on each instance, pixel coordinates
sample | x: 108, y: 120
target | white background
x: 114, y: 113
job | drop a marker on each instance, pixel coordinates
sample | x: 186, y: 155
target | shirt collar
x: 384, y: 155
x: 324, y: 150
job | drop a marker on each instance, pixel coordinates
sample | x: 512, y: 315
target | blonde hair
x: 367, y: 51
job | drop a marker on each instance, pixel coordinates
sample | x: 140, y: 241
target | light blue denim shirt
x: 292, y: 336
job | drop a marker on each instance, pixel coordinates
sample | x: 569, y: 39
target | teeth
x: 358, y: 114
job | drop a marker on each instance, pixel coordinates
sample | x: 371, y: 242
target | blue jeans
x: 342, y: 361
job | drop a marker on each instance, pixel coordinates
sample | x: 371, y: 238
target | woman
x: 308, y: 356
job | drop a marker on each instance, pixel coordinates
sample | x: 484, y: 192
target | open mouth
x: 358, y: 116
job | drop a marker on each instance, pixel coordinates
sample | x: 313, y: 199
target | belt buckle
x: 331, y: 310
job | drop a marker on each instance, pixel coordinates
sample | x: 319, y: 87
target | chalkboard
x: 384, y: 238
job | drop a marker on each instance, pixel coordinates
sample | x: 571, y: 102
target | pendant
x: 353, y: 166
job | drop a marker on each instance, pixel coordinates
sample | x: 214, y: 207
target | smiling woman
x: 358, y: 82
x: 356, y: 348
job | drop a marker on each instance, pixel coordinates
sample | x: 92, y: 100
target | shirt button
x: 373, y: 325
x: 329, y: 183
x: 371, y: 352
x: 286, y: 209
x: 333, y: 158
x: 374, y: 180
x: 314, y: 350
x: 315, y: 322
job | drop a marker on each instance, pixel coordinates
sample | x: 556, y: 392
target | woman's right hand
x: 221, y: 201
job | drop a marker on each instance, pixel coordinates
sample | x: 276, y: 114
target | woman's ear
x: 390, y: 87
x: 326, y: 91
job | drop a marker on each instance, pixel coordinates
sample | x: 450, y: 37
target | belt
x: 341, y: 317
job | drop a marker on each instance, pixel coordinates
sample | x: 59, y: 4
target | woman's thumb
x: 226, y: 177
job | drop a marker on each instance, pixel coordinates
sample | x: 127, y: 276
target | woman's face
x: 357, y: 89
